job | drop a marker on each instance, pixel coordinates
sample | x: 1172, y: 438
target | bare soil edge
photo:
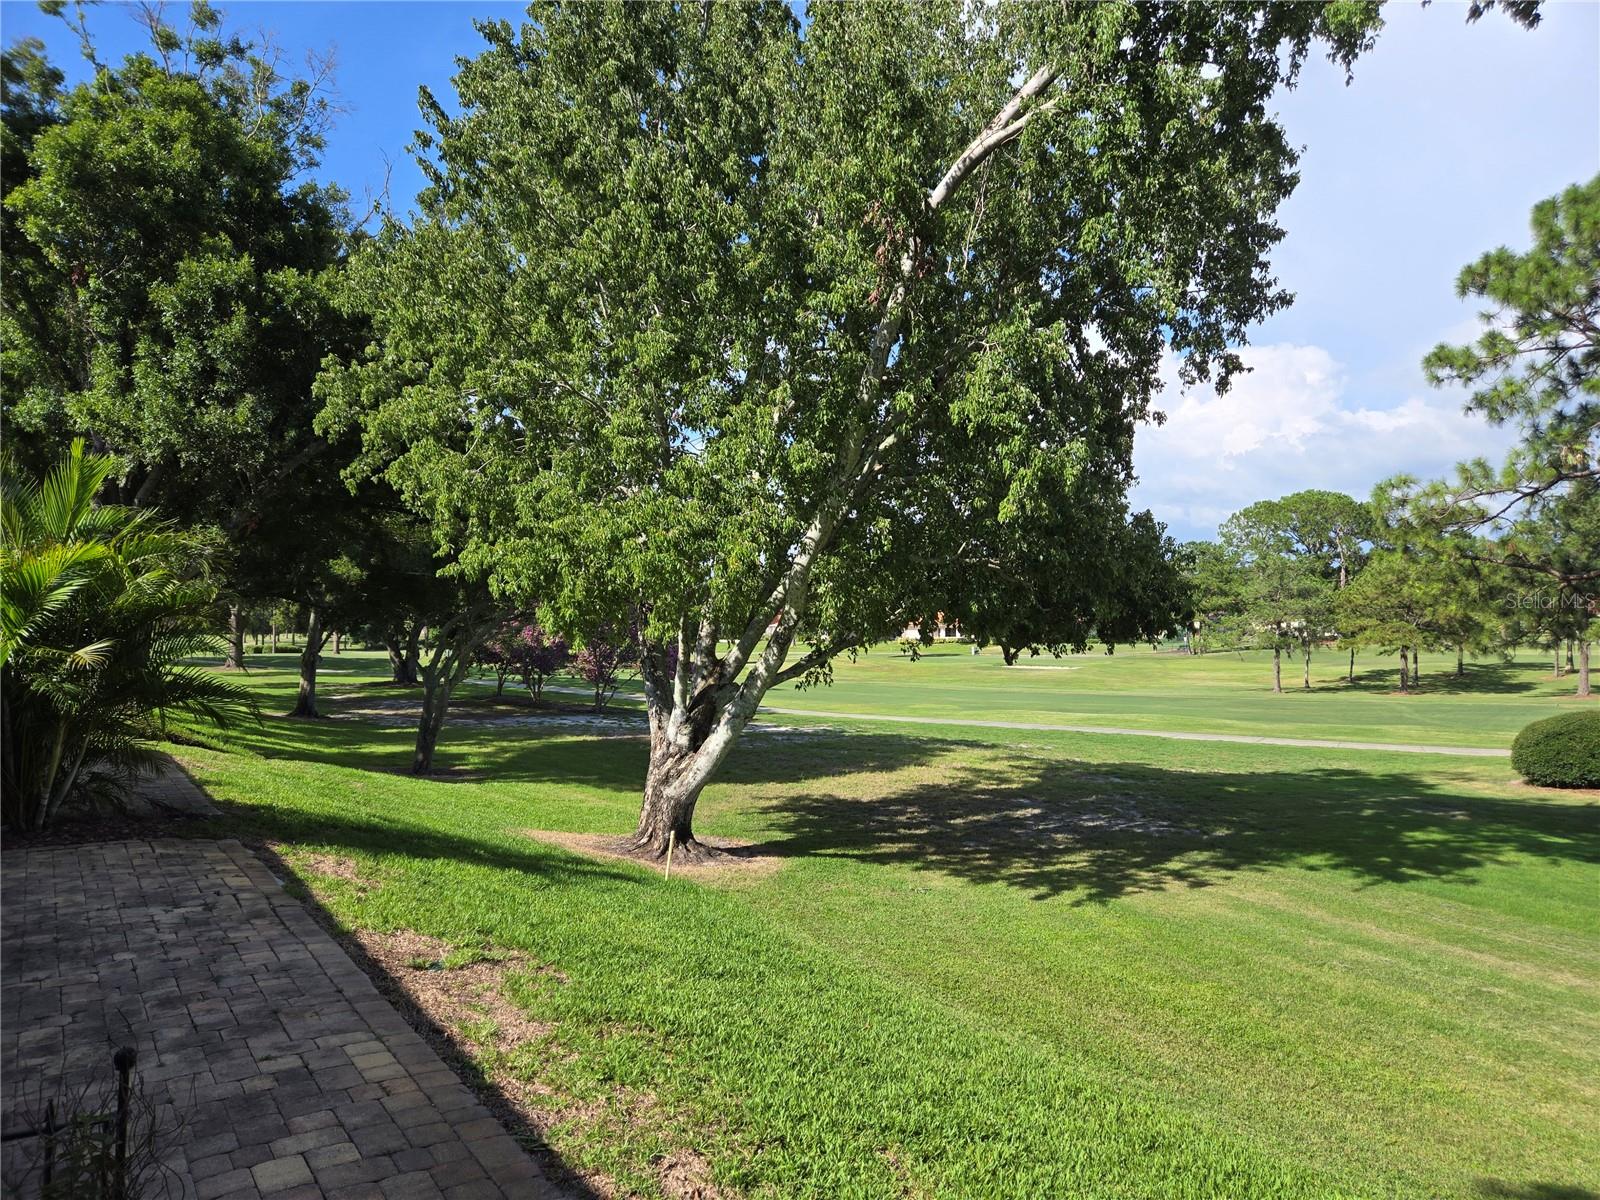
x: 720, y: 858
x: 1557, y: 793
x: 406, y: 968
x: 427, y: 1025
x: 456, y: 997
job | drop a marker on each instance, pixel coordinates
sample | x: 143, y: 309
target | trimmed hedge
x: 1560, y: 751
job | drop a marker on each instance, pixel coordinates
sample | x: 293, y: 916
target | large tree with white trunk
x: 740, y: 330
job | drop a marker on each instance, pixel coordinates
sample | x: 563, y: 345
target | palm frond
x: 65, y: 497
x: 99, y: 607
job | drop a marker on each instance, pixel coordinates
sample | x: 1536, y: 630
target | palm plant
x: 99, y: 606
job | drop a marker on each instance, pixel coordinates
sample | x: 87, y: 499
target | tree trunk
x: 235, y: 658
x: 451, y: 660
x: 404, y: 657
x: 667, y: 814
x: 37, y: 806
x: 68, y: 782
x: 305, y: 704
x: 336, y: 646
x: 1583, y: 667
x: 1558, y: 671
x: 1277, y: 669
x: 413, y: 655
x: 1416, y: 667
x: 435, y: 703
x: 1461, y: 659
x: 1405, y: 669
x: 1306, y: 682
x: 1008, y: 654
x: 1569, y: 652
x: 687, y: 747
x: 1352, y: 676
x: 274, y: 635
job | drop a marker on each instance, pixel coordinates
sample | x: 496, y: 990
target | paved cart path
x: 1248, y: 739
x: 291, y: 1076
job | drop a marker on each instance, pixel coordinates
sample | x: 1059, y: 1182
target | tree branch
x: 1005, y: 125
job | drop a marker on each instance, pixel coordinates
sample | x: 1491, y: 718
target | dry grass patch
x: 459, y: 989
x: 323, y: 866
x: 336, y: 866
x: 686, y: 1175
x: 1556, y: 793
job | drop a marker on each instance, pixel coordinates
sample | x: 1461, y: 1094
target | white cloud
x: 1287, y: 425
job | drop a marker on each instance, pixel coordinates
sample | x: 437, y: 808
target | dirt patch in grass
x: 336, y: 866
x: 686, y: 1175
x: 462, y: 1012
x: 461, y: 994
x: 1557, y: 793
x: 718, y: 858
x: 461, y: 991
x: 324, y: 866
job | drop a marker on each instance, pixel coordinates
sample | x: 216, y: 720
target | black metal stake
x: 124, y: 1060
x: 49, y: 1144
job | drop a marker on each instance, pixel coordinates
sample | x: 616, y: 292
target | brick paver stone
x: 277, y: 1064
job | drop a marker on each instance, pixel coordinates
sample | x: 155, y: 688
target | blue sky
x: 1436, y: 152
x: 384, y: 51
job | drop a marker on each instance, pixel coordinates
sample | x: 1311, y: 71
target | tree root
x: 689, y: 850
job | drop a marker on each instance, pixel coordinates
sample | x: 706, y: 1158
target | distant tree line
x: 1495, y: 558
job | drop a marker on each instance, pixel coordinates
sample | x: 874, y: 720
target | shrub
x: 100, y: 606
x: 1560, y: 751
x: 520, y: 646
x: 605, y: 656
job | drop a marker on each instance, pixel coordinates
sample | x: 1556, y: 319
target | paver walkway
x: 292, y: 1075
x: 170, y: 791
x: 1246, y: 738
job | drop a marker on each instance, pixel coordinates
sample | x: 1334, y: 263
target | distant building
x: 943, y: 631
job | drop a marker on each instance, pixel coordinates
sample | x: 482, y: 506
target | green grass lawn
x: 994, y: 963
x: 1214, y: 693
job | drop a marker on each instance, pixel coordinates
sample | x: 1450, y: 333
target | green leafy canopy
x: 758, y: 337
x: 686, y: 290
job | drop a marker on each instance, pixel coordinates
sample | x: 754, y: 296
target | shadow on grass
x: 1479, y: 679
x: 1494, y: 1189
x: 296, y: 827
x: 1104, y: 830
x: 1049, y: 826
x: 558, y: 753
